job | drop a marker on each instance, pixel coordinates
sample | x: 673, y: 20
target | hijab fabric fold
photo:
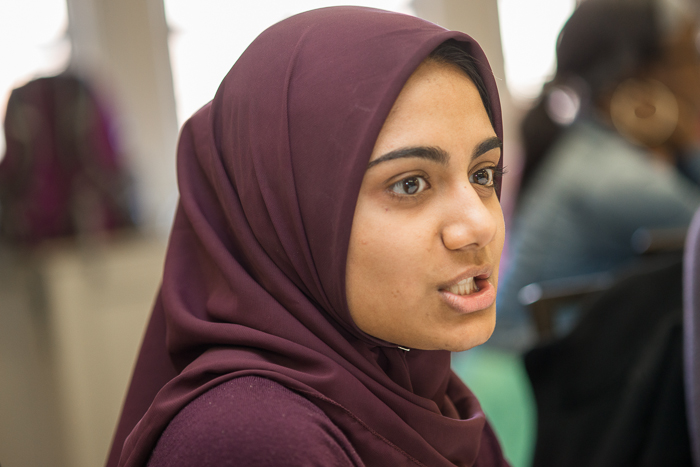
x: 254, y: 282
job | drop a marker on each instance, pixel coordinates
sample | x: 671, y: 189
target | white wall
x: 123, y: 45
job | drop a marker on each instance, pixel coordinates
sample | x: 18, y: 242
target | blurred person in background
x: 610, y: 146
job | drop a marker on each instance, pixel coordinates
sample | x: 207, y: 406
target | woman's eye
x: 409, y: 186
x: 483, y: 177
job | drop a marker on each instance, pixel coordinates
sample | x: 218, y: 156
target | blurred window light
x: 208, y: 36
x: 33, y: 43
x: 529, y: 32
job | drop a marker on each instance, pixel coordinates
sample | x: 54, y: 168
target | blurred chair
x: 610, y: 393
x: 546, y: 298
x: 691, y: 333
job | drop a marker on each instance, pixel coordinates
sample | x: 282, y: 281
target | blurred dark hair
x: 603, y: 43
x: 450, y: 52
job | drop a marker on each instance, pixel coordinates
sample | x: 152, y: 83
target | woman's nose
x: 469, y: 222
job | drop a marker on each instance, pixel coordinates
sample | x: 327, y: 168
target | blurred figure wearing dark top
x: 610, y: 146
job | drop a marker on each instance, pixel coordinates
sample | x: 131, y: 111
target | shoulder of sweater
x: 252, y: 421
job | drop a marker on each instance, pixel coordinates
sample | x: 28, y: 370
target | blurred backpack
x: 62, y: 174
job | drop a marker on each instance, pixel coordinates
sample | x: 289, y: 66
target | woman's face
x: 427, y: 235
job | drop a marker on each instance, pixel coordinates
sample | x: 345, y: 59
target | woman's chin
x: 469, y: 344
x: 476, y: 334
x: 468, y: 335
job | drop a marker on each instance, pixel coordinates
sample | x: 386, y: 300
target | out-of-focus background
x: 74, y: 300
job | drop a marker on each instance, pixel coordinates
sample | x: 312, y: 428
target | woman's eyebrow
x: 424, y: 152
x: 487, y: 145
x: 434, y: 153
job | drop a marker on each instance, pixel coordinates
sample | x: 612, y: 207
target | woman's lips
x: 469, y: 295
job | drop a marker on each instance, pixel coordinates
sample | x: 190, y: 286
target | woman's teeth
x: 464, y: 287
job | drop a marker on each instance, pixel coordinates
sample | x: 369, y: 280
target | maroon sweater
x: 252, y: 421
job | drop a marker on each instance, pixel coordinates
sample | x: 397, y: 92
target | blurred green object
x: 501, y: 384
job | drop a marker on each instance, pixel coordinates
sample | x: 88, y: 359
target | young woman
x: 339, y: 232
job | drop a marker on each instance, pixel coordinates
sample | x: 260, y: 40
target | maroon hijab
x: 254, y: 280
